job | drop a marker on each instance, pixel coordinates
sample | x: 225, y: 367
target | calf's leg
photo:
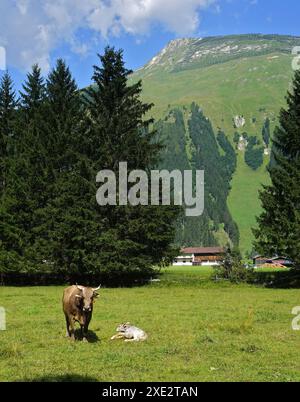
x: 118, y: 336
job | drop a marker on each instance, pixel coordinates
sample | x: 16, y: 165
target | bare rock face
x: 243, y: 143
x: 239, y: 121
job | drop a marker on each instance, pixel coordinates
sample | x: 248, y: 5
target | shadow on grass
x: 278, y: 279
x: 92, y: 336
x: 63, y: 378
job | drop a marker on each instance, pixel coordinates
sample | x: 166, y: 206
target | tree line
x: 54, y: 138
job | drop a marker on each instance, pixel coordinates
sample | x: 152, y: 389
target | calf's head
x: 123, y: 327
x: 87, y: 297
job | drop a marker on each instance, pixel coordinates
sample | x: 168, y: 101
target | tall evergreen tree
x: 134, y: 238
x: 33, y: 94
x: 29, y: 169
x: 279, y: 224
x: 32, y: 116
x: 8, y: 104
x: 63, y: 115
x: 10, y: 240
x: 119, y: 129
x: 60, y: 118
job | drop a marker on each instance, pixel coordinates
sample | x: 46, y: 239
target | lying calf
x: 130, y: 333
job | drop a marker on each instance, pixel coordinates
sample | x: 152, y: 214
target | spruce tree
x: 63, y: 115
x: 118, y: 126
x: 53, y: 125
x: 33, y: 94
x: 32, y: 127
x: 134, y: 238
x: 30, y: 181
x: 11, y: 235
x: 279, y: 223
x: 8, y: 104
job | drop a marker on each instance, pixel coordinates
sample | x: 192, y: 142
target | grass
x: 198, y: 330
x: 244, y: 202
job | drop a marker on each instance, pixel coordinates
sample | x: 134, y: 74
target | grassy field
x: 198, y: 330
x: 244, y: 202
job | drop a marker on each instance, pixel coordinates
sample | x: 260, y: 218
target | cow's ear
x: 96, y: 295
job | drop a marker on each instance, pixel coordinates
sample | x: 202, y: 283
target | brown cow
x: 78, y: 307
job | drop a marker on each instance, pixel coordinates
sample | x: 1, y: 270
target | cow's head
x: 87, y: 297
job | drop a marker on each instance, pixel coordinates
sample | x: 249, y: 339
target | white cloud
x: 31, y: 29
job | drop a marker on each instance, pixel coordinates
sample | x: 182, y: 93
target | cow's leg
x: 72, y: 329
x: 68, y: 333
x: 84, y: 332
x: 85, y: 328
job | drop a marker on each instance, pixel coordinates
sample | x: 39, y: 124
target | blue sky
x: 41, y: 31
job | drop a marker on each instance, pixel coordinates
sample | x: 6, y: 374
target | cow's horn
x: 97, y: 288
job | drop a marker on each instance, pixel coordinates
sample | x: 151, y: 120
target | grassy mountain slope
x: 232, y: 76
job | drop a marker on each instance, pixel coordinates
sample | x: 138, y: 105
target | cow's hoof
x: 85, y: 340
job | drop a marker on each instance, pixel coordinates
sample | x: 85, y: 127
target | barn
x: 260, y: 261
x: 200, y: 256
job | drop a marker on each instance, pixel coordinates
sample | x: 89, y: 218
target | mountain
x: 191, y: 144
x: 239, y: 83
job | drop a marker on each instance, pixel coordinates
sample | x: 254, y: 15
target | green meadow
x: 199, y: 330
x: 244, y: 202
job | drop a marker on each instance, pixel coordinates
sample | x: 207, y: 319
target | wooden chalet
x: 200, y: 256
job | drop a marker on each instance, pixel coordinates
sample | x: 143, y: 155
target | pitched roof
x: 203, y: 250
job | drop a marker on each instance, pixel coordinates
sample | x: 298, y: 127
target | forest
x: 54, y: 140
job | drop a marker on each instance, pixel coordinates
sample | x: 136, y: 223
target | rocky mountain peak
x: 190, y: 53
